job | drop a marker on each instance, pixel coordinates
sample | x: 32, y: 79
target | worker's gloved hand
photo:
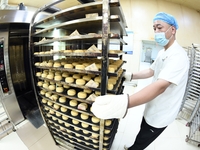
x: 110, y: 106
x: 128, y: 76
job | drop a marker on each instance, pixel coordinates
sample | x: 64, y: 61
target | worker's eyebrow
x: 156, y: 25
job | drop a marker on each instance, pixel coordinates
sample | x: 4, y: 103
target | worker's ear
x: 173, y: 30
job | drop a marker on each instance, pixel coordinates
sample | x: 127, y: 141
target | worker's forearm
x: 148, y: 93
x: 143, y: 74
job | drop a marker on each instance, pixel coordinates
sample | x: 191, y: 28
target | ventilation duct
x: 4, y: 5
x: 52, y: 9
x: 85, y: 1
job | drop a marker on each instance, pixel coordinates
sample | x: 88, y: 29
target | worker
x: 163, y: 97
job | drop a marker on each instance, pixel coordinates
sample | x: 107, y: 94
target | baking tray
x: 80, y: 37
x: 77, y: 117
x: 80, y: 71
x: 195, y: 92
x: 69, y: 84
x: 61, y: 135
x: 73, y: 138
x: 197, y: 69
x: 112, y: 127
x: 68, y: 114
x: 64, y: 94
x: 66, y: 105
x: 88, y: 121
x: 194, y: 81
x: 114, y: 91
x: 63, y: 143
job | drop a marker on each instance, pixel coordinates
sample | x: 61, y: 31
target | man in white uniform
x: 163, y: 97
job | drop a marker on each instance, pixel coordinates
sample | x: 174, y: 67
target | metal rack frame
x: 190, y: 108
x: 191, y: 101
x: 54, y: 126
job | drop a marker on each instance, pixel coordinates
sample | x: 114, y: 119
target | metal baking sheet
x: 116, y: 39
x: 68, y: 107
x: 65, y: 95
x: 78, y: 118
x: 193, y: 82
x: 85, y: 54
x: 69, y: 84
x: 194, y: 91
x: 194, y: 85
x: 81, y: 71
x: 191, y: 92
x: 191, y: 97
x: 70, y: 70
x: 114, y: 91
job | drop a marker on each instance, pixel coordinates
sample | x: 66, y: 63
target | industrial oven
x: 16, y: 89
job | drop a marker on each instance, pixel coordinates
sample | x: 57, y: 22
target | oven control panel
x: 3, y: 79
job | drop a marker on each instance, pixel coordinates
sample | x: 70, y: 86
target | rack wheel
x: 198, y: 145
x: 188, y: 124
x: 14, y: 130
x: 187, y: 139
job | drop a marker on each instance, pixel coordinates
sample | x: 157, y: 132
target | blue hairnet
x: 169, y: 19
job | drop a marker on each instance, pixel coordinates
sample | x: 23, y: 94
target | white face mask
x: 161, y: 39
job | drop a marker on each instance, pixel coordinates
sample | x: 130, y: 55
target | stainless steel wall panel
x: 15, y: 16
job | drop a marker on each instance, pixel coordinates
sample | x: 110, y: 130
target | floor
x: 27, y: 137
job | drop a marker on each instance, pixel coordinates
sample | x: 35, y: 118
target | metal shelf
x: 190, y: 108
x: 84, y: 26
x: 79, y: 12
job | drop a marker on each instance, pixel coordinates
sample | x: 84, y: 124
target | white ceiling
x: 194, y: 4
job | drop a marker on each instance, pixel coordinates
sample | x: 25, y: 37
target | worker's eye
x: 158, y: 28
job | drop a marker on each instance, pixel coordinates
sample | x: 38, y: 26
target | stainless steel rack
x: 190, y: 109
x: 191, y: 100
x: 68, y: 129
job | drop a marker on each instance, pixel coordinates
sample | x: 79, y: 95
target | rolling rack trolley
x: 69, y: 71
x: 194, y: 121
x: 191, y: 99
x: 190, y: 109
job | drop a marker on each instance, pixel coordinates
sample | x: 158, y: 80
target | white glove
x: 110, y: 106
x: 128, y: 76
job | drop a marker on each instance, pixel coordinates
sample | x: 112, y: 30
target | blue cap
x: 169, y: 19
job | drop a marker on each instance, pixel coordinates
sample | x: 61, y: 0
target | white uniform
x: 171, y: 65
